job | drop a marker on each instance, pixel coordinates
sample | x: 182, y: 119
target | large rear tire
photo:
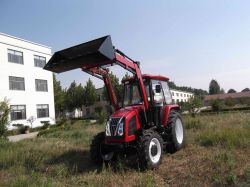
x: 99, y: 152
x: 150, y: 150
x: 176, y: 132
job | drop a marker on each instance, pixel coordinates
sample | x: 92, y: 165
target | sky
x: 189, y: 41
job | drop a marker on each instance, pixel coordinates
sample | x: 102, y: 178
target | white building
x: 24, y: 83
x: 180, y: 96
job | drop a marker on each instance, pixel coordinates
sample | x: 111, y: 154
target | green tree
x: 172, y: 85
x: 59, y: 96
x: 117, y: 88
x: 4, y: 114
x: 126, y: 76
x: 214, y: 87
x: 90, y: 95
x: 74, y: 96
x: 231, y: 91
x: 197, y: 92
x: 193, y: 105
x: 245, y: 90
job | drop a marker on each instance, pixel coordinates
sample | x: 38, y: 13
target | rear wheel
x: 101, y: 152
x: 150, y: 150
x: 176, y: 132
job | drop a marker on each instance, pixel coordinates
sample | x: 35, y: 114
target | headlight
x: 108, y: 133
x: 120, y: 128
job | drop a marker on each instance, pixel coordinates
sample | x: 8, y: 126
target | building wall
x: 180, y: 96
x: 30, y: 97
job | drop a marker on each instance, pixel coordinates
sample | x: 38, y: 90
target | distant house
x: 180, y: 96
x: 100, y: 105
x: 238, y: 95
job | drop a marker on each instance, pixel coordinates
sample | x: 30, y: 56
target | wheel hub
x: 179, y: 131
x: 154, y: 150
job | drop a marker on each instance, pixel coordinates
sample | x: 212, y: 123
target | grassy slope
x: 217, y: 153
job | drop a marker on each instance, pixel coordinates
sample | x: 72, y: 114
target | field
x: 217, y: 152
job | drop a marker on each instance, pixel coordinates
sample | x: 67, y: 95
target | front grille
x: 113, y: 125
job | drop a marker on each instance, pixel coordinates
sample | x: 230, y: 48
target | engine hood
x: 123, y: 112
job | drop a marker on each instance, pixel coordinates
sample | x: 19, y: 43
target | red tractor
x: 146, y: 123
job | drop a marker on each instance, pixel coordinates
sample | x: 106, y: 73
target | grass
x: 217, y: 152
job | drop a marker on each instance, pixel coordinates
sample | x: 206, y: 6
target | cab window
x: 167, y: 93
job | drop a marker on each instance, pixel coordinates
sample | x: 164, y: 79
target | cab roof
x: 147, y: 76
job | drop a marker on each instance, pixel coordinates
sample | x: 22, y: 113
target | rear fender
x: 166, y: 112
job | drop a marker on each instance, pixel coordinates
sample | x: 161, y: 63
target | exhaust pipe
x: 97, y: 52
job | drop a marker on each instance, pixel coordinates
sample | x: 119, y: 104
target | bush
x: 24, y: 129
x: 45, y: 126
x: 245, y: 101
x: 217, y: 105
x: 4, y: 113
x: 101, y: 117
x: 230, y: 102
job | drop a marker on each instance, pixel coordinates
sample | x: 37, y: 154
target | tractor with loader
x: 145, y: 123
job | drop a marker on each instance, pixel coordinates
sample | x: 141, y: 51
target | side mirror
x: 158, y: 88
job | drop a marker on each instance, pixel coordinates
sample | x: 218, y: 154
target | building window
x: 42, y: 111
x: 15, y: 56
x: 181, y: 94
x: 41, y: 85
x: 17, y: 112
x: 177, y: 94
x: 184, y: 95
x: 16, y: 83
x: 39, y: 61
x: 172, y: 93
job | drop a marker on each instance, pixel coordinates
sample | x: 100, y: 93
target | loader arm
x: 94, y: 57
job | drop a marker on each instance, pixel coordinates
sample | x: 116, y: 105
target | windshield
x: 132, y: 95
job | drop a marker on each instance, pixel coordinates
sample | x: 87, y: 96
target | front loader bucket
x: 97, y: 52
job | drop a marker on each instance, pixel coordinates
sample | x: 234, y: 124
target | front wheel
x: 176, y: 132
x: 100, y: 152
x: 150, y: 150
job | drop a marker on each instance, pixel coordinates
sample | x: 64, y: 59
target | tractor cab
x: 158, y: 95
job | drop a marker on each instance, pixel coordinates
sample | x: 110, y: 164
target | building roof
x: 14, y: 37
x: 171, y: 89
x: 227, y: 95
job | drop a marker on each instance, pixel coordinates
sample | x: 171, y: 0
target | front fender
x: 166, y: 112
